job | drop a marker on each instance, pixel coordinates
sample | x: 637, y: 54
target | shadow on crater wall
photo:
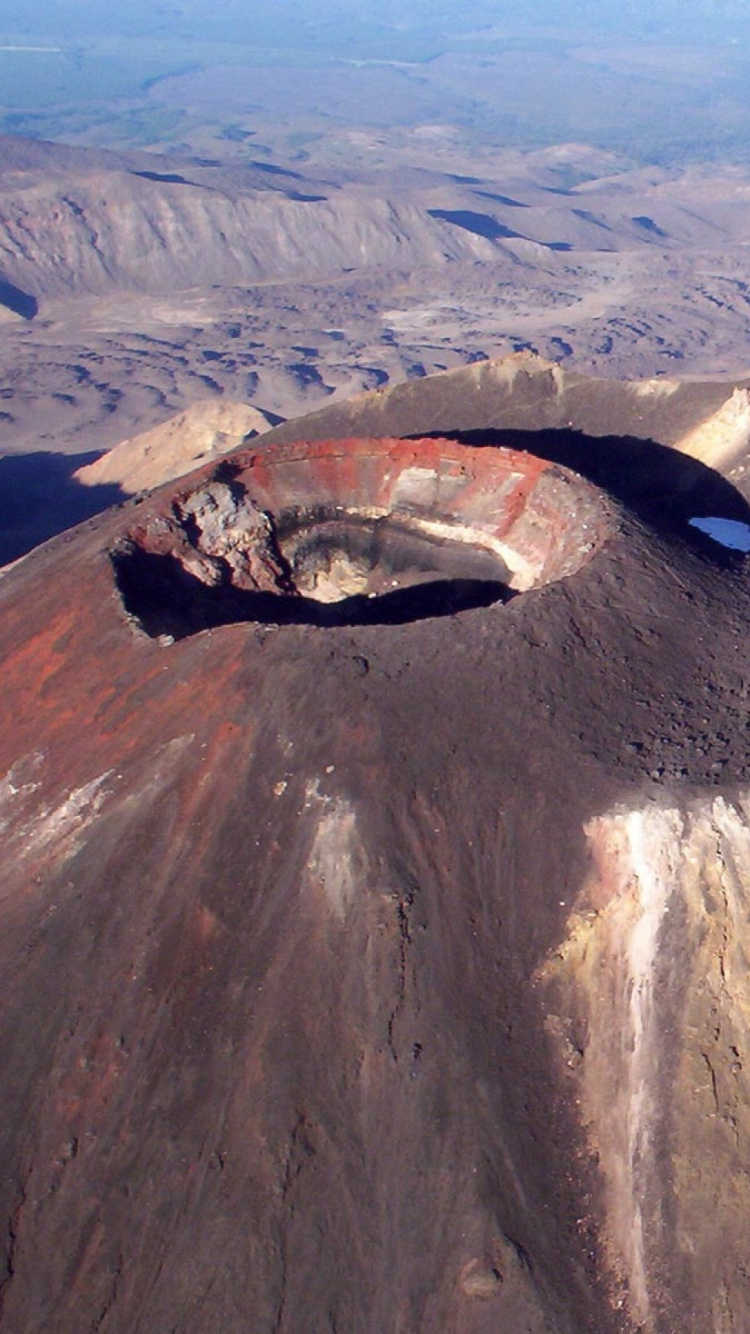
x: 166, y: 599
x: 659, y: 484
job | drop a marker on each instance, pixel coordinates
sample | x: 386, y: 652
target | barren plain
x: 151, y: 287
x: 288, y: 207
x: 135, y: 284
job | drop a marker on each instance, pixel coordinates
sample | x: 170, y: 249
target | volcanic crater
x: 356, y: 532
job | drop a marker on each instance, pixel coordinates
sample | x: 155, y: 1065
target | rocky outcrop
x: 203, y: 431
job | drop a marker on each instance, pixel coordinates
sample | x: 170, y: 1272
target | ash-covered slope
x: 76, y: 222
x: 374, y: 839
x: 622, y: 255
x: 708, y: 420
x: 204, y: 431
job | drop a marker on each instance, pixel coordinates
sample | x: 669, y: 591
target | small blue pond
x: 729, y: 532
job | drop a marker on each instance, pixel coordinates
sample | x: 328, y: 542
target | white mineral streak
x: 66, y: 821
x: 618, y: 969
x: 36, y: 826
x: 652, y: 840
x: 337, y: 859
x: 18, y: 785
x: 646, y: 853
x: 56, y: 829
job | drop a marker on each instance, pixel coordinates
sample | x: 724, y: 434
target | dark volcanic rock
x: 374, y: 977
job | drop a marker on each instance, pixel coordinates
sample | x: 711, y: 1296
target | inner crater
x: 354, y: 532
x: 332, y: 557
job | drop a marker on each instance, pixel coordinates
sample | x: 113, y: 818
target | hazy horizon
x: 665, y: 82
x: 196, y: 19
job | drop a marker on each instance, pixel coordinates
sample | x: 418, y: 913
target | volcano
x: 375, y: 838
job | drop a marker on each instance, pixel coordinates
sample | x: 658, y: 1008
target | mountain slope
x: 374, y: 964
